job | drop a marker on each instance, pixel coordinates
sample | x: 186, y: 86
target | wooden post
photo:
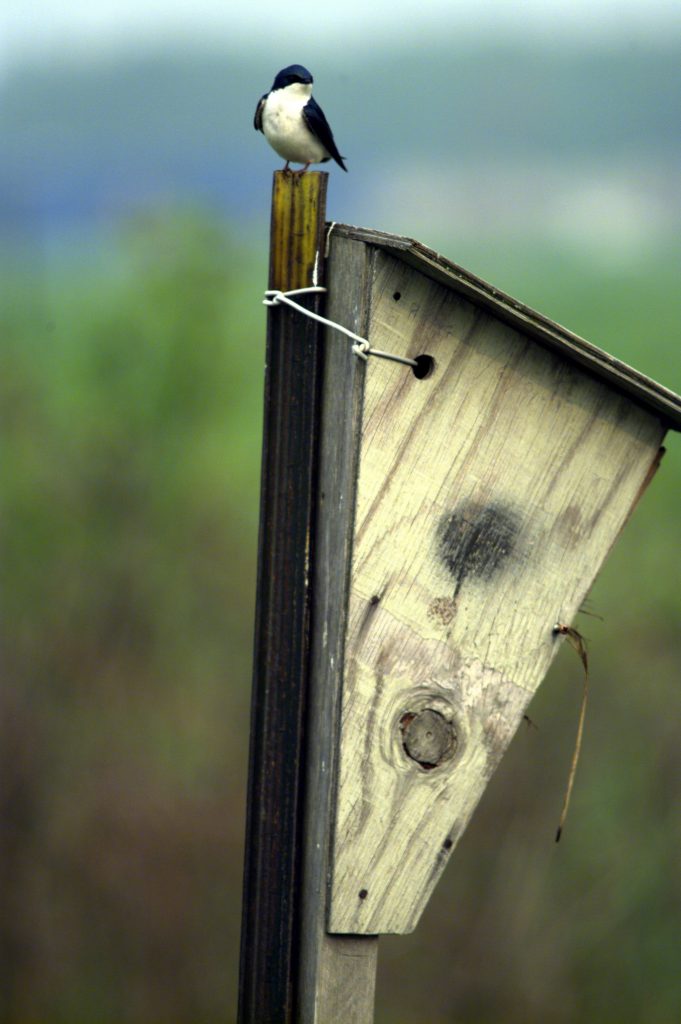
x: 270, y: 939
x: 337, y: 972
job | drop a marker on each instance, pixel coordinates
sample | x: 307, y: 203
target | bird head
x: 295, y: 74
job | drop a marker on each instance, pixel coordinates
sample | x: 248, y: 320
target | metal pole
x: 271, y: 919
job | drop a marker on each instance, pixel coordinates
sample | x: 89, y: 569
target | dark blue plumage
x: 293, y: 73
x: 313, y: 115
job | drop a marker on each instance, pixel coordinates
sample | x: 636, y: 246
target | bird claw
x: 295, y: 174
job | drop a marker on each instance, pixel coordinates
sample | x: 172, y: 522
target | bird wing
x: 257, y: 120
x: 313, y: 115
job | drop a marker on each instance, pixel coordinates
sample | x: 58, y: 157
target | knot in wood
x: 427, y: 737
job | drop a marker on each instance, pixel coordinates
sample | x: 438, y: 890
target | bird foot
x: 295, y: 174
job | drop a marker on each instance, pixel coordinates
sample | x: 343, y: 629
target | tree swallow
x: 293, y: 123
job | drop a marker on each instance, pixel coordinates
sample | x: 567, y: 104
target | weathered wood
x: 337, y: 972
x: 345, y: 980
x: 270, y: 938
x: 296, y: 234
x: 489, y: 494
x: 531, y: 323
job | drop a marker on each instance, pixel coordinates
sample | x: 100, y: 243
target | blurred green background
x: 134, y: 199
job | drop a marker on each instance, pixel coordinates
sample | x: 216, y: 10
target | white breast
x: 284, y: 128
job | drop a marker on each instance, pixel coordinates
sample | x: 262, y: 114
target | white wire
x: 361, y: 348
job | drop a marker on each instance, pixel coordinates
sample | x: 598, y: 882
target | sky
x: 30, y: 27
x: 622, y: 207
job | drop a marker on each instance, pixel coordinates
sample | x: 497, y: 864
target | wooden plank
x: 270, y: 940
x: 636, y: 385
x: 337, y: 972
x: 345, y: 980
x: 489, y: 495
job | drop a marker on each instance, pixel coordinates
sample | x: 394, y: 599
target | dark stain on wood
x: 368, y: 614
x: 442, y: 610
x: 445, y: 850
x: 475, y: 541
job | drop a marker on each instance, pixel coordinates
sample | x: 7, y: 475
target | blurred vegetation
x: 131, y: 405
x: 131, y: 423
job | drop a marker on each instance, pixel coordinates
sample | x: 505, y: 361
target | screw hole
x: 397, y: 296
x: 424, y: 367
x: 363, y: 893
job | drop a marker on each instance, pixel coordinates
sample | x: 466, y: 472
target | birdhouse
x: 439, y: 494
x: 492, y: 480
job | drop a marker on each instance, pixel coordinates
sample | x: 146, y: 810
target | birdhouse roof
x: 624, y: 378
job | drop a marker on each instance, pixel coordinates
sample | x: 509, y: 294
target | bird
x: 293, y: 122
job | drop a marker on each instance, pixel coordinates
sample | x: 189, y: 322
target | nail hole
x: 424, y: 367
x: 448, y: 843
x: 363, y: 893
x: 397, y: 296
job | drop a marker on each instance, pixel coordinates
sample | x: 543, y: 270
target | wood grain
x: 337, y: 972
x: 636, y: 385
x: 488, y: 497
